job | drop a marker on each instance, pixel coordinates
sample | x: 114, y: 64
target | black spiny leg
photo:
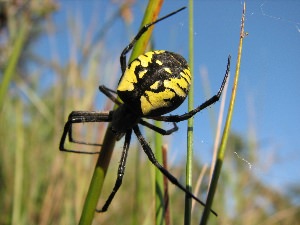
x: 170, y: 177
x: 137, y: 37
x: 82, y: 117
x: 85, y: 117
x: 212, y: 100
x: 158, y: 129
x: 121, y: 171
x: 107, y: 92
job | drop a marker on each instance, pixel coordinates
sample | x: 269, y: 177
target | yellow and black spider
x: 152, y: 85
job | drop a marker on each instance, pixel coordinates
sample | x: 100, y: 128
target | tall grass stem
x: 159, y: 180
x: 189, y: 160
x: 222, y: 148
x: 19, y: 165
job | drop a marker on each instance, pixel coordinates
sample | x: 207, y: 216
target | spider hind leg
x: 165, y: 172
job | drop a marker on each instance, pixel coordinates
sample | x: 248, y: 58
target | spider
x: 153, y: 84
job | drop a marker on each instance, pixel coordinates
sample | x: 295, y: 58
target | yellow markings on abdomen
x: 158, y: 62
x: 156, y: 100
x: 155, y: 85
x: 177, y: 85
x: 142, y: 73
x: 129, y: 78
x: 146, y: 59
x: 168, y: 70
x: 186, y: 74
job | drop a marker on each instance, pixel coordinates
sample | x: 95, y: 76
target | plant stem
x: 222, y: 148
x: 159, y: 180
x: 189, y: 160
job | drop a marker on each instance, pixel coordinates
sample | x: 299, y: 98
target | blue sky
x: 267, y: 99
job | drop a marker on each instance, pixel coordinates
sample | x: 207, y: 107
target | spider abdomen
x: 155, y: 83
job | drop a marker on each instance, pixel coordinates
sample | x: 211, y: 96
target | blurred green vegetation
x: 40, y: 185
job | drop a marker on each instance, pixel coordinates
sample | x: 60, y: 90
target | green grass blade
x: 98, y: 179
x: 18, y: 166
x: 166, y: 187
x: 189, y: 160
x: 159, y: 180
x: 109, y: 140
x: 151, y: 13
x: 13, y: 61
x: 221, y: 151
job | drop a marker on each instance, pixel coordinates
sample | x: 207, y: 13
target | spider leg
x: 137, y: 37
x: 121, y: 171
x: 165, y: 172
x: 212, y: 100
x: 82, y: 117
x: 107, y: 91
x: 158, y: 129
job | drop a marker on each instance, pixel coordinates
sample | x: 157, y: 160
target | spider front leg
x: 82, y: 117
x: 165, y: 172
x: 121, y: 171
x: 137, y: 37
x: 212, y: 100
x: 107, y: 92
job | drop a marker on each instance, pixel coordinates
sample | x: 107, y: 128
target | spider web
x: 267, y: 10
